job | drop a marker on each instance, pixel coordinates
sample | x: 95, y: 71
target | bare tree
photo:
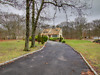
x: 58, y: 4
x: 27, y: 26
x: 13, y: 24
x: 80, y: 22
x: 33, y: 24
x: 96, y: 29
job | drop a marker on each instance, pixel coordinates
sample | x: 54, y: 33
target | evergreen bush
x: 60, y: 39
x: 54, y: 38
x: 30, y: 38
x: 97, y: 41
x: 39, y: 38
x: 63, y: 41
x: 45, y: 38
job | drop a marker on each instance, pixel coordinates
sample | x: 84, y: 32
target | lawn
x: 14, y: 48
x: 90, y: 50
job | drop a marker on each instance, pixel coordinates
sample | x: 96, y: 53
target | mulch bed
x: 6, y: 40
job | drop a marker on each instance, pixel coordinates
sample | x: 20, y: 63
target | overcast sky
x: 93, y: 13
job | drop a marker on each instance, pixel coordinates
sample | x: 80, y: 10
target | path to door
x: 55, y: 59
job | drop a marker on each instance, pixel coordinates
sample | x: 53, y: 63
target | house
x: 52, y: 32
x: 95, y: 37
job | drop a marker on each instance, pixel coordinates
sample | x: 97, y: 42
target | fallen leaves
x: 46, y: 63
x: 87, y: 73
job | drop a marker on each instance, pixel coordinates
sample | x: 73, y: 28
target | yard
x: 90, y: 50
x: 14, y: 48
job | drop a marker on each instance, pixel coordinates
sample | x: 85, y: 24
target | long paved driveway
x: 54, y: 59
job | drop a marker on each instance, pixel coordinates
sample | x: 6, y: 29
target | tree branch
x: 38, y: 14
x: 61, y: 5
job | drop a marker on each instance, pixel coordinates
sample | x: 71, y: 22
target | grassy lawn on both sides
x: 14, y: 48
x: 90, y: 50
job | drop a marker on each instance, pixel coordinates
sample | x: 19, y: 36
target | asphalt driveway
x: 54, y: 59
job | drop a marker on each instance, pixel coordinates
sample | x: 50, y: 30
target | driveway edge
x: 84, y: 60
x: 12, y: 60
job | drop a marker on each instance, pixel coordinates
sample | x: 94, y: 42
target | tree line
x: 35, y: 10
x: 80, y: 29
x: 12, y: 26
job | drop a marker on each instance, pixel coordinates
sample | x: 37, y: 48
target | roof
x: 51, y: 31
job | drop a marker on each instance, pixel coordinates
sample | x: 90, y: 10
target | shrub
x: 60, y: 39
x: 63, y: 41
x: 36, y: 38
x: 42, y: 40
x: 45, y: 38
x: 54, y: 38
x: 23, y: 38
x: 39, y: 38
x: 97, y: 41
x: 30, y: 38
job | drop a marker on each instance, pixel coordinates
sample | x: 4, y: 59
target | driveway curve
x: 55, y: 59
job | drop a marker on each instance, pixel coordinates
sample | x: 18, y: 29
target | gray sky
x: 93, y: 13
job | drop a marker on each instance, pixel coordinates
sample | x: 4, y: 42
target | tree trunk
x: 33, y: 25
x: 80, y: 32
x: 27, y: 26
x: 34, y: 22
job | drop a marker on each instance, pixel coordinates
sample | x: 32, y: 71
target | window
x: 54, y: 35
x: 45, y: 32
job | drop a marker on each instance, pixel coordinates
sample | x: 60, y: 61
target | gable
x: 51, y: 31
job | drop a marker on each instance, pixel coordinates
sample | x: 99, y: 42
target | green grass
x: 90, y: 50
x: 12, y: 49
